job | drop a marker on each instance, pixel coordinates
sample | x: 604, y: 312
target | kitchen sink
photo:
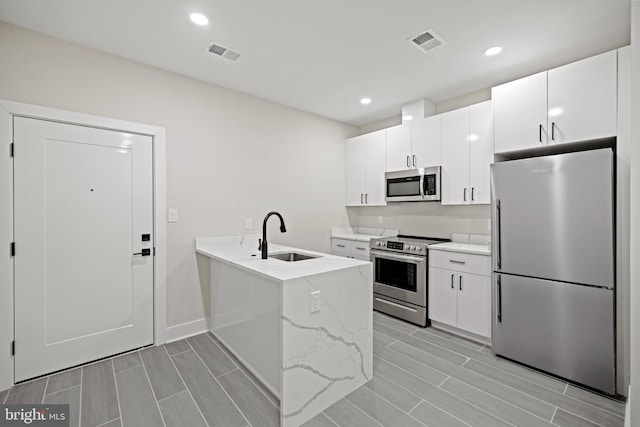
x: 292, y: 256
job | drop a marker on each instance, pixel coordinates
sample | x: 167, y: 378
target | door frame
x: 9, y: 109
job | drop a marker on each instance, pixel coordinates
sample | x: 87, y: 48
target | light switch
x: 173, y: 215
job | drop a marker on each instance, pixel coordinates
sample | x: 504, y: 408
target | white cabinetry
x: 399, y: 147
x: 415, y: 144
x: 350, y: 248
x: 365, y: 166
x: 467, y: 140
x: 566, y: 104
x: 460, y: 291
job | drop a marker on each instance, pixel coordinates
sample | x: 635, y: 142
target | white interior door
x: 83, y: 200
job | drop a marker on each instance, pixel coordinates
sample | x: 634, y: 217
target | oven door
x: 399, y: 276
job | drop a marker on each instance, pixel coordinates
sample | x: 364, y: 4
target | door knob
x: 144, y: 252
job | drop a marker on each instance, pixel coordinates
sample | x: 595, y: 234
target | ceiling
x: 323, y: 56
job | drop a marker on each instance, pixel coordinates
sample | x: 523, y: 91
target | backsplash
x: 424, y: 219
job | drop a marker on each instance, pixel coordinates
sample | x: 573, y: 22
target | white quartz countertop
x: 242, y: 251
x: 362, y: 234
x: 469, y: 248
x: 356, y: 237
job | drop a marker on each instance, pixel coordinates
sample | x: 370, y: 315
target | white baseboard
x: 186, y: 330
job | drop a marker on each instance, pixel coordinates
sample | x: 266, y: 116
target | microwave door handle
x: 422, y: 191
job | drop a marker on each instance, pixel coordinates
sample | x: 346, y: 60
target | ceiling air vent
x: 222, y: 51
x: 427, y: 40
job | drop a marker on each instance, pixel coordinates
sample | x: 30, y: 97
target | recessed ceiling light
x: 407, y: 117
x: 199, y: 19
x: 365, y: 101
x: 492, y: 51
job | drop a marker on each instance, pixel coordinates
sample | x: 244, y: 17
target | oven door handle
x: 387, y: 255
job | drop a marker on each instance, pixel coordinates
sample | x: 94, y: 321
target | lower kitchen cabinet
x: 350, y: 248
x: 460, y: 291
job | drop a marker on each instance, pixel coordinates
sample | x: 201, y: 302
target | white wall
x: 230, y: 156
x: 425, y: 219
x: 635, y: 213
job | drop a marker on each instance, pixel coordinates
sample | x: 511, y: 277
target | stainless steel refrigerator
x: 553, y: 284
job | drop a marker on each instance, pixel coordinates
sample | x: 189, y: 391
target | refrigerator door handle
x: 499, y: 297
x: 498, y: 243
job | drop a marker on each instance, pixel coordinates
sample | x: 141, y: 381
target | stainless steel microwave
x: 413, y: 185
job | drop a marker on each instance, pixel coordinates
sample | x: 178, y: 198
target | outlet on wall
x: 314, y: 301
x: 380, y: 219
x: 248, y: 224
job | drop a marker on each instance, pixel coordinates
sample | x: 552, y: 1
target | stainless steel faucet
x: 263, y: 243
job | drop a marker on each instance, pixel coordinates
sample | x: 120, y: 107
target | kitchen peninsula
x: 303, y: 327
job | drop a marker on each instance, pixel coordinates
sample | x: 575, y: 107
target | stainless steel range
x: 400, y: 276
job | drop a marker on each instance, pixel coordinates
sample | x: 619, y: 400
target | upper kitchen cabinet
x: 467, y: 137
x: 570, y: 103
x: 583, y: 99
x: 426, y: 141
x: 366, y: 160
x: 399, y: 155
x: 415, y: 144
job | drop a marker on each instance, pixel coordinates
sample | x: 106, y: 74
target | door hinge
x: 13, y: 248
x: 11, y: 149
x: 13, y: 348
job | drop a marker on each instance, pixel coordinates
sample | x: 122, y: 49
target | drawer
x: 360, y: 250
x: 341, y: 245
x: 466, y: 263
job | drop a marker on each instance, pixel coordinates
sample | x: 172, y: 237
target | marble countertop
x: 469, y: 248
x: 242, y: 251
x: 362, y: 234
x: 356, y: 237
x: 477, y: 244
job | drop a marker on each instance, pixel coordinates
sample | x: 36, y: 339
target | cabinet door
x: 354, y: 173
x: 426, y: 141
x: 375, y: 155
x: 443, y: 296
x: 583, y: 99
x: 455, y: 157
x: 480, y: 151
x: 474, y: 303
x: 520, y: 113
x: 399, y: 147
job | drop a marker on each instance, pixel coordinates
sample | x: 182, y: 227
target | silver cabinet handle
x: 340, y: 246
x: 361, y: 198
x: 457, y: 262
x: 465, y: 194
x: 361, y: 249
x: 366, y: 198
x: 408, y: 165
x: 414, y: 160
x: 499, y: 292
x: 472, y: 191
x: 553, y: 131
x: 460, y: 280
x: 452, y: 279
x: 498, y: 234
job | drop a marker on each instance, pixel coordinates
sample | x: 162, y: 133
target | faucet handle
x: 259, y: 244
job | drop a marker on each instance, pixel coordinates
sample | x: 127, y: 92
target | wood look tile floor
x: 422, y: 377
